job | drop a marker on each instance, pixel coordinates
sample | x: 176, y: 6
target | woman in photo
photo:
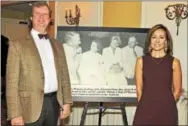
x: 91, y: 69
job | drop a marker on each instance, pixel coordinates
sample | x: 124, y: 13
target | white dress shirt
x: 48, y: 63
x: 129, y: 59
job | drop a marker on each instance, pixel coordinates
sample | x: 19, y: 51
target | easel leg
x: 84, y: 114
x: 124, y: 114
x: 100, y: 113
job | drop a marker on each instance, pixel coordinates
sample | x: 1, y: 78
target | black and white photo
x: 101, y: 61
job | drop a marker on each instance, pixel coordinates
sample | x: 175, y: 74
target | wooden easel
x: 101, y: 110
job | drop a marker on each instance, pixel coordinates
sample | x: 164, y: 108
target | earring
x: 166, y: 48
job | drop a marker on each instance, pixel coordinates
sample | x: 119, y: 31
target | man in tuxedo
x: 38, y: 87
x: 130, y: 54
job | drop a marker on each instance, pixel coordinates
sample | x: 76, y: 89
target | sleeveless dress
x: 157, y: 105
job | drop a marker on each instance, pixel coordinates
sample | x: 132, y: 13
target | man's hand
x: 65, y: 112
x: 17, y: 121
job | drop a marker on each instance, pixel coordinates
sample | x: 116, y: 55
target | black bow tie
x: 45, y: 36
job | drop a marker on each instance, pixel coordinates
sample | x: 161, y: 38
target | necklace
x: 158, y: 60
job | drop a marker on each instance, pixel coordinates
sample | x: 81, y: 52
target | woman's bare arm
x: 138, y: 77
x: 177, y: 79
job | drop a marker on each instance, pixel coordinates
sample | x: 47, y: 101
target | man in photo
x: 73, y: 51
x: 91, y: 69
x: 130, y: 54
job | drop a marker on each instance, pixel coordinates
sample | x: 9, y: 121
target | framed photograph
x: 101, y: 61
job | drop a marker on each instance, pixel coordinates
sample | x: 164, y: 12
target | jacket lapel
x: 34, y: 49
x: 32, y: 46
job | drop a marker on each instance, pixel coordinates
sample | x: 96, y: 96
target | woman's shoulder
x: 140, y: 59
x: 172, y: 58
x: 176, y: 60
x: 143, y: 58
x: 176, y: 63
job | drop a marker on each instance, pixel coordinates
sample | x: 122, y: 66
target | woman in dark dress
x: 158, y: 80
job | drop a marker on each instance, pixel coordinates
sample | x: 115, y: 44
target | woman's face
x: 114, y: 43
x: 94, y: 47
x: 158, y: 40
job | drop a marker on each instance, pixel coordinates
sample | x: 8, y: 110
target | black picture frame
x: 103, y: 34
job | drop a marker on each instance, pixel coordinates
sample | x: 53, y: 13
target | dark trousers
x: 50, y: 112
x: 4, y: 121
x: 130, y: 81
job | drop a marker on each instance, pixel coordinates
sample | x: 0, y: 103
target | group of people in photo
x: 114, y: 66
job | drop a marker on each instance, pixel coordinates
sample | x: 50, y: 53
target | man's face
x: 76, y: 40
x: 132, y: 42
x: 40, y: 18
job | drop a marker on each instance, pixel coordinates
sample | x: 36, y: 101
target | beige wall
x: 10, y: 28
x: 122, y: 14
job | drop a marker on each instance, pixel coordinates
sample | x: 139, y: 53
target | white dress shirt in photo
x: 129, y: 59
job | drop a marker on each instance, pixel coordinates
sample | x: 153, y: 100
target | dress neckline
x: 158, y: 60
x: 158, y: 57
